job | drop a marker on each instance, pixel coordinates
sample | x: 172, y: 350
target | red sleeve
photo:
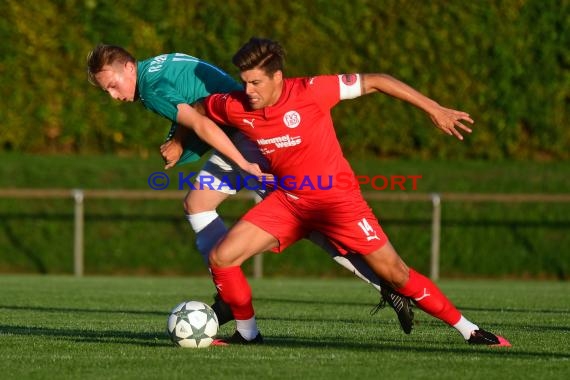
x: 325, y: 89
x: 215, y: 106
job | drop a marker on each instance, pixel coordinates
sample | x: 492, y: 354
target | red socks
x: 429, y: 298
x: 234, y: 290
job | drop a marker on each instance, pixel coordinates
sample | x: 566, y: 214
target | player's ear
x: 278, y: 76
x: 130, y: 66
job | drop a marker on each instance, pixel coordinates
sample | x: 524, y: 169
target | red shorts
x: 348, y: 222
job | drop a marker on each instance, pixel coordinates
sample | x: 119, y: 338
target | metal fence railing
x: 436, y: 199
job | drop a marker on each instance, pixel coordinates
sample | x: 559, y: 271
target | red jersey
x: 296, y: 134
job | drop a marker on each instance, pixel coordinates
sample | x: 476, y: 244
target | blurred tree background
x: 503, y: 61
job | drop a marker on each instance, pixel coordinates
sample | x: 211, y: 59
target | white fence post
x: 257, y: 259
x: 78, y: 196
x: 435, y: 236
x: 258, y: 266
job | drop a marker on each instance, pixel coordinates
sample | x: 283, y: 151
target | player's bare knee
x: 220, y: 257
x: 188, y: 205
x: 215, y: 260
x: 195, y: 205
x: 197, y: 201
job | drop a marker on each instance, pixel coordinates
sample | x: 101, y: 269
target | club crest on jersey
x: 292, y: 119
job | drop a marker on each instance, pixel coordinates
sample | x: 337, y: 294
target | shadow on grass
x: 123, y: 337
x: 153, y: 339
x: 500, y: 326
x: 160, y: 339
x: 417, y: 346
x: 79, y: 310
x: 370, y: 304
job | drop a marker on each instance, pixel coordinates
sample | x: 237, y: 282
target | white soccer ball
x: 192, y: 324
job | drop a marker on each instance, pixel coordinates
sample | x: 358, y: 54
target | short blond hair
x: 103, y: 55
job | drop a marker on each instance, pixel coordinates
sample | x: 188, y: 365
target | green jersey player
x: 165, y: 81
x: 169, y: 84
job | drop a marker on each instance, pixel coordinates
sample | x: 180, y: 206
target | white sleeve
x: 349, y: 85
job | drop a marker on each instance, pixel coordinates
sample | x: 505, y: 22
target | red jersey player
x: 290, y: 121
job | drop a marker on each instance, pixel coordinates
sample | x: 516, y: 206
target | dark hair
x: 260, y: 53
x: 104, y: 55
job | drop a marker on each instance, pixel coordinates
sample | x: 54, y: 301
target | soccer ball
x: 192, y: 324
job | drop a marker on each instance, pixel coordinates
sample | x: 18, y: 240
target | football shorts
x: 221, y: 174
x: 347, y: 222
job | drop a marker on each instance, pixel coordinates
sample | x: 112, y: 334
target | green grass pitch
x: 114, y: 328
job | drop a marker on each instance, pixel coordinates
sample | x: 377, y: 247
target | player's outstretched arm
x: 448, y: 120
x: 210, y: 133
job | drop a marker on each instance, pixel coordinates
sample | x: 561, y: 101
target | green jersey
x: 165, y: 81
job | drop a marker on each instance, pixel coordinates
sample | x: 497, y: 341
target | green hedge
x: 506, y: 62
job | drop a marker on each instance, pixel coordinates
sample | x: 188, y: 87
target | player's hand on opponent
x: 255, y: 170
x: 451, y: 121
x: 171, y: 152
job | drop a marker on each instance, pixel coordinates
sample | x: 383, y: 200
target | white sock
x: 200, y: 220
x: 247, y: 328
x: 465, y: 327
